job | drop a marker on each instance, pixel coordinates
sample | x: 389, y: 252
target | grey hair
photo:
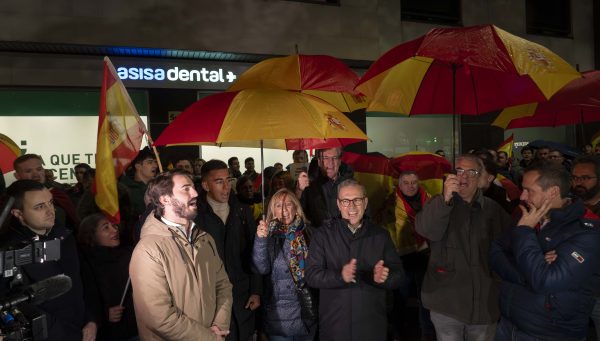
x: 351, y: 182
x: 472, y: 158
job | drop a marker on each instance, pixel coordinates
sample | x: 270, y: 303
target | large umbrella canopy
x: 577, y: 103
x: 262, y: 117
x: 9, y: 151
x: 319, y: 75
x: 470, y: 70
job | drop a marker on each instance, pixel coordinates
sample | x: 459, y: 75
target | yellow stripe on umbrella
x: 9, y: 151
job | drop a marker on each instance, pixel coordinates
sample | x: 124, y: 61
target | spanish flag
x: 507, y: 146
x: 120, y: 132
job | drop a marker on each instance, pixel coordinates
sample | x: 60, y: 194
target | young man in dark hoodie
x: 33, y: 218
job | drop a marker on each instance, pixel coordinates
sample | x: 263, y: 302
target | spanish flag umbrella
x: 577, y: 103
x: 268, y: 118
x: 322, y: 76
x: 9, y: 151
x: 429, y: 167
x: 467, y: 70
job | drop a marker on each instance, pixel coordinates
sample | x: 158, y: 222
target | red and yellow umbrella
x: 267, y: 118
x: 322, y: 76
x: 9, y: 151
x: 577, y: 103
x: 470, y: 70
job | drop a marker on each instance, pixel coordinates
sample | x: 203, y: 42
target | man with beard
x: 232, y: 226
x: 585, y: 182
x: 180, y: 287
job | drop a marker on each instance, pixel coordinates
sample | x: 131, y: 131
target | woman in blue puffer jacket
x: 280, y: 250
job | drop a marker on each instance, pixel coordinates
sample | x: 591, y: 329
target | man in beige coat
x: 180, y: 287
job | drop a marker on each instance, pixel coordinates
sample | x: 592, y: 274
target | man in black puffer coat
x: 549, y: 262
x: 353, y: 262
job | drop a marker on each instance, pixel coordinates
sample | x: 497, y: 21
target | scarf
x: 298, y: 248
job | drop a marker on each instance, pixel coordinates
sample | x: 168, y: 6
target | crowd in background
x: 297, y: 254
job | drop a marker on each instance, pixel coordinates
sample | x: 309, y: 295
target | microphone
x: 39, y: 292
x: 456, y: 198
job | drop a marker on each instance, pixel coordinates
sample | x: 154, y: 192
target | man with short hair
x: 184, y: 164
x: 319, y: 198
x: 250, y: 172
x: 76, y: 191
x: 412, y: 248
x: 180, y: 287
x: 585, y: 181
x: 353, y: 262
x: 143, y: 169
x: 549, y: 262
x: 234, y: 166
x: 542, y: 153
x: 460, y: 224
x: 526, y: 157
x: 232, y: 226
x: 30, y: 167
x: 585, y: 184
x: 33, y: 218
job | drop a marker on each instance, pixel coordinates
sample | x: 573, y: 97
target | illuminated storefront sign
x: 181, y: 74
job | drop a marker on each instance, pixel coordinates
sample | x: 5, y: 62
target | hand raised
x: 262, y: 231
x: 533, y: 216
x: 380, y: 272
x: 349, y: 271
x: 450, y: 186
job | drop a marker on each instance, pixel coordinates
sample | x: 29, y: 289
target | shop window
x: 432, y: 11
x: 549, y: 17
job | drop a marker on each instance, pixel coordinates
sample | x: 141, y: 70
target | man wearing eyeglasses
x: 319, y: 198
x: 549, y: 262
x: 353, y: 262
x: 585, y: 185
x: 460, y: 225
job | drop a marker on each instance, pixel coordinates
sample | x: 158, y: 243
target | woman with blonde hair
x: 280, y: 250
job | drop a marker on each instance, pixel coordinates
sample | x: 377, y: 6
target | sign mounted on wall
x: 180, y: 74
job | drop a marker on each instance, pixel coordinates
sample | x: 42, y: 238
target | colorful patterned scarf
x: 298, y: 248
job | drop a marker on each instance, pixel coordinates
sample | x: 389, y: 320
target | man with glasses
x: 232, y: 226
x: 549, y: 262
x: 319, y: 198
x: 353, y: 262
x: 460, y: 225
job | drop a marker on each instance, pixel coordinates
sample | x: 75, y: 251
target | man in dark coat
x: 319, y: 199
x: 549, y: 262
x: 459, y: 289
x: 231, y: 225
x: 352, y: 262
x: 33, y: 217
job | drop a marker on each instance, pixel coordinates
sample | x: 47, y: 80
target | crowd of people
x: 505, y: 251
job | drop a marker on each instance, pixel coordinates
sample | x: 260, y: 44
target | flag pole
x: 151, y: 143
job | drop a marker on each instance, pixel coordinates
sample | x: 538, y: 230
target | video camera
x: 20, y: 319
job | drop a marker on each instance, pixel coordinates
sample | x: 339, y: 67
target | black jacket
x: 319, y: 199
x: 66, y: 314
x: 104, y: 272
x: 351, y: 311
x: 550, y: 301
x: 234, y: 242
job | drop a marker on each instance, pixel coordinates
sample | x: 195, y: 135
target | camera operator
x: 33, y: 216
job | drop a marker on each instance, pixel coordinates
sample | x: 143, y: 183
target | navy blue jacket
x: 550, y: 301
